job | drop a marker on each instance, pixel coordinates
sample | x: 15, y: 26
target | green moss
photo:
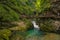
x: 47, y: 25
x: 23, y: 25
x: 5, y: 33
x: 17, y: 37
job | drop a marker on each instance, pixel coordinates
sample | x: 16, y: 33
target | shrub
x: 4, y: 34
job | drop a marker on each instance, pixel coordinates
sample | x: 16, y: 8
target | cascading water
x: 35, y: 25
x: 35, y: 32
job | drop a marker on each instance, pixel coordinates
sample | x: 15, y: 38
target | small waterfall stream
x: 35, y: 25
x: 35, y: 32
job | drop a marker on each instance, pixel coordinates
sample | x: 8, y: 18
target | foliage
x: 42, y: 5
x: 28, y: 6
x: 7, y: 14
x: 28, y: 24
x: 4, y: 34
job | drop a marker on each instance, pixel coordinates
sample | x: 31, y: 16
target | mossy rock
x: 22, y: 26
x: 17, y: 37
x: 49, y: 25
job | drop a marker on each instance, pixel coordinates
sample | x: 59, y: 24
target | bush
x: 26, y: 6
x: 7, y: 15
x: 4, y: 34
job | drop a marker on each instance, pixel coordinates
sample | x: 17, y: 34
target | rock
x: 49, y: 25
x: 22, y: 26
x: 57, y: 25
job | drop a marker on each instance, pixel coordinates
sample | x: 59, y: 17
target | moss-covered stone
x: 17, y: 37
x: 22, y: 25
x: 49, y: 25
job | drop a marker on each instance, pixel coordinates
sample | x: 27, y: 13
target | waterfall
x: 34, y: 32
x: 35, y: 25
